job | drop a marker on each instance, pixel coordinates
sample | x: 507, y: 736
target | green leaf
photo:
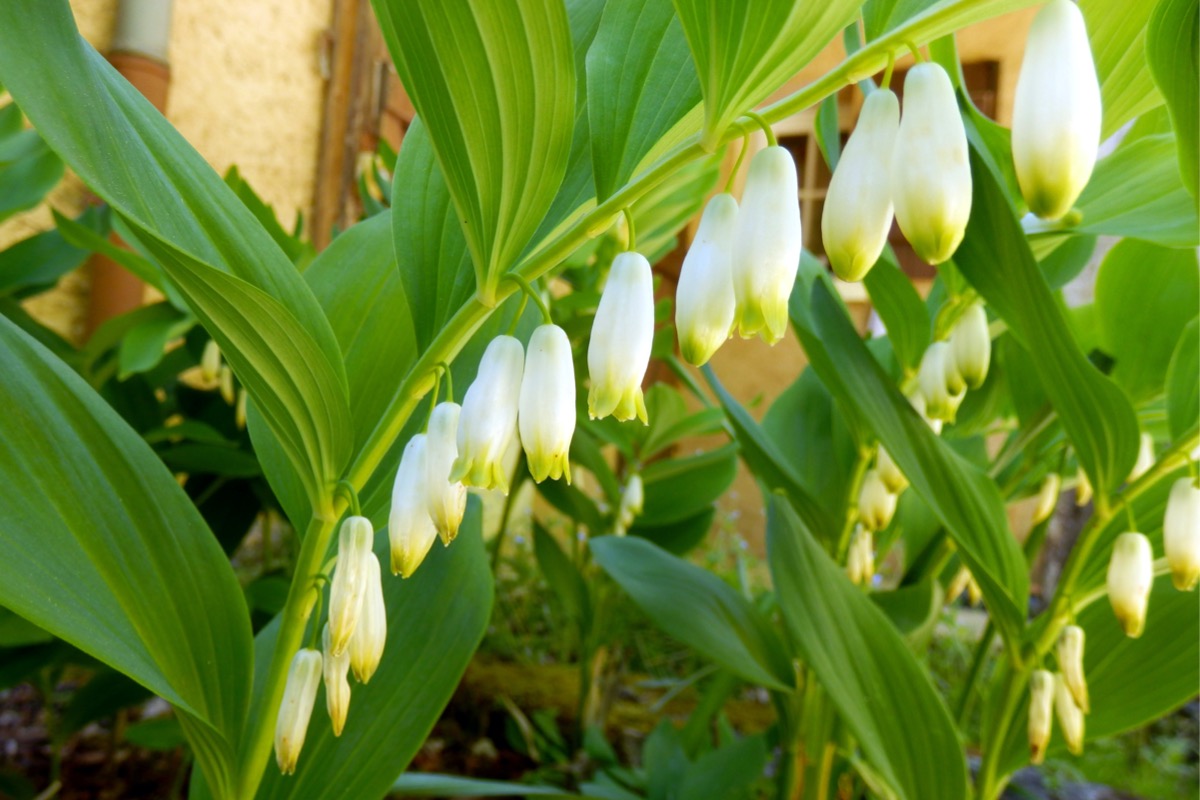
x: 903, y: 312
x: 1183, y: 389
x: 495, y: 84
x: 882, y: 693
x: 1173, y: 55
x: 727, y: 772
x: 697, y: 608
x: 996, y: 259
x: 104, y: 550
x: 678, y: 538
x: 436, y: 619
x: 641, y: 82
x: 1066, y: 259
x: 432, y: 784
x: 144, y: 344
x: 1117, y: 31
x: 564, y: 578
x: 35, y: 263
x: 962, y: 496
x: 880, y: 16
x: 678, y: 488
x: 663, y: 211
x: 745, y: 51
x: 28, y: 168
x: 1145, y: 295
x: 914, y: 610
x: 88, y: 239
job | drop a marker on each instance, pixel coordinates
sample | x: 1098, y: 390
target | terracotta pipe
x: 139, y: 53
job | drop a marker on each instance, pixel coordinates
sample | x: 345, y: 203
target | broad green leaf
x: 298, y: 251
x: 995, y: 257
x: 663, y: 211
x: 729, y: 771
x: 880, y: 16
x: 697, y: 608
x: 641, y: 81
x: 902, y: 311
x: 495, y: 84
x: 104, y: 550
x: 914, y: 610
x: 1145, y: 295
x: 1183, y: 388
x: 964, y: 499
x: 432, y: 784
x: 564, y: 578
x: 882, y: 693
x: 1066, y: 259
x: 745, y: 51
x: 1137, y: 192
x: 28, y: 168
x: 1173, y: 54
x: 144, y: 344
x: 678, y: 538
x: 678, y: 488
x: 436, y: 619
x: 86, y: 238
x: 34, y: 264
x: 1117, y: 31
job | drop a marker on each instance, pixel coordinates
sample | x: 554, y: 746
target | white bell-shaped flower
x: 1083, y: 488
x: 1070, y: 716
x: 622, y: 338
x: 917, y: 401
x: 489, y: 416
x: 633, y: 498
x: 299, y: 695
x: 860, y: 557
x: 355, y: 540
x: 411, y: 530
x: 889, y: 472
x: 1130, y: 578
x: 767, y: 255
x: 704, y: 300
x: 972, y: 346
x: 370, y: 636
x: 1181, y: 534
x: 337, y: 686
x: 547, y: 415
x: 931, y: 173
x: 1047, y: 497
x: 1070, y: 663
x: 876, y: 504
x: 1145, y: 457
x: 858, y: 206
x: 1056, y: 111
x: 1041, y: 713
x: 447, y: 498
x: 931, y: 380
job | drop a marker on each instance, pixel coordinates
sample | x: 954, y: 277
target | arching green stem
x: 533, y: 295
x: 766, y: 127
x: 630, y: 228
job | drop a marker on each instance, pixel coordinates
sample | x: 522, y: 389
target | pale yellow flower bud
x: 858, y: 206
x: 447, y: 499
x: 889, y: 472
x: 767, y: 255
x: 337, y: 686
x: 1056, y: 111
x: 370, y: 635
x: 239, y: 412
x: 972, y: 346
x: 1130, y: 577
x: 958, y: 584
x: 488, y: 421
x: 410, y: 528
x: 225, y: 384
x: 1070, y: 663
x: 931, y: 174
x: 1070, y: 716
x: 632, y: 500
x: 547, y: 415
x: 1041, y: 713
x: 299, y: 695
x: 974, y: 590
x: 860, y: 559
x: 704, y: 299
x: 1047, y: 498
x: 931, y: 380
x: 210, y: 362
x: 875, y: 503
x: 1145, y: 457
x: 1181, y: 534
x: 622, y: 338
x: 349, y: 580
x: 1083, y: 488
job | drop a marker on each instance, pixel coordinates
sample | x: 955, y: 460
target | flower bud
x: 1070, y: 716
x: 974, y: 590
x: 1145, y: 457
x: 225, y: 384
x: 858, y: 205
x: 704, y: 299
x: 447, y: 499
x: 299, y: 694
x: 1056, y: 111
x: 337, y: 687
x: 239, y: 412
x: 622, y: 337
x: 972, y: 346
x: 889, y: 473
x: 411, y: 530
x: 931, y: 174
x: 370, y: 635
x: 1083, y: 488
x: 860, y: 559
x: 1070, y: 663
x: 875, y: 503
x: 1047, y: 498
x: 1041, y: 713
x: 210, y: 362
x: 1130, y: 576
x: 349, y: 580
x: 547, y: 416
x: 1181, y: 534
x: 958, y: 584
x: 931, y: 381
x: 632, y: 501
x: 767, y: 255
x: 488, y: 420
